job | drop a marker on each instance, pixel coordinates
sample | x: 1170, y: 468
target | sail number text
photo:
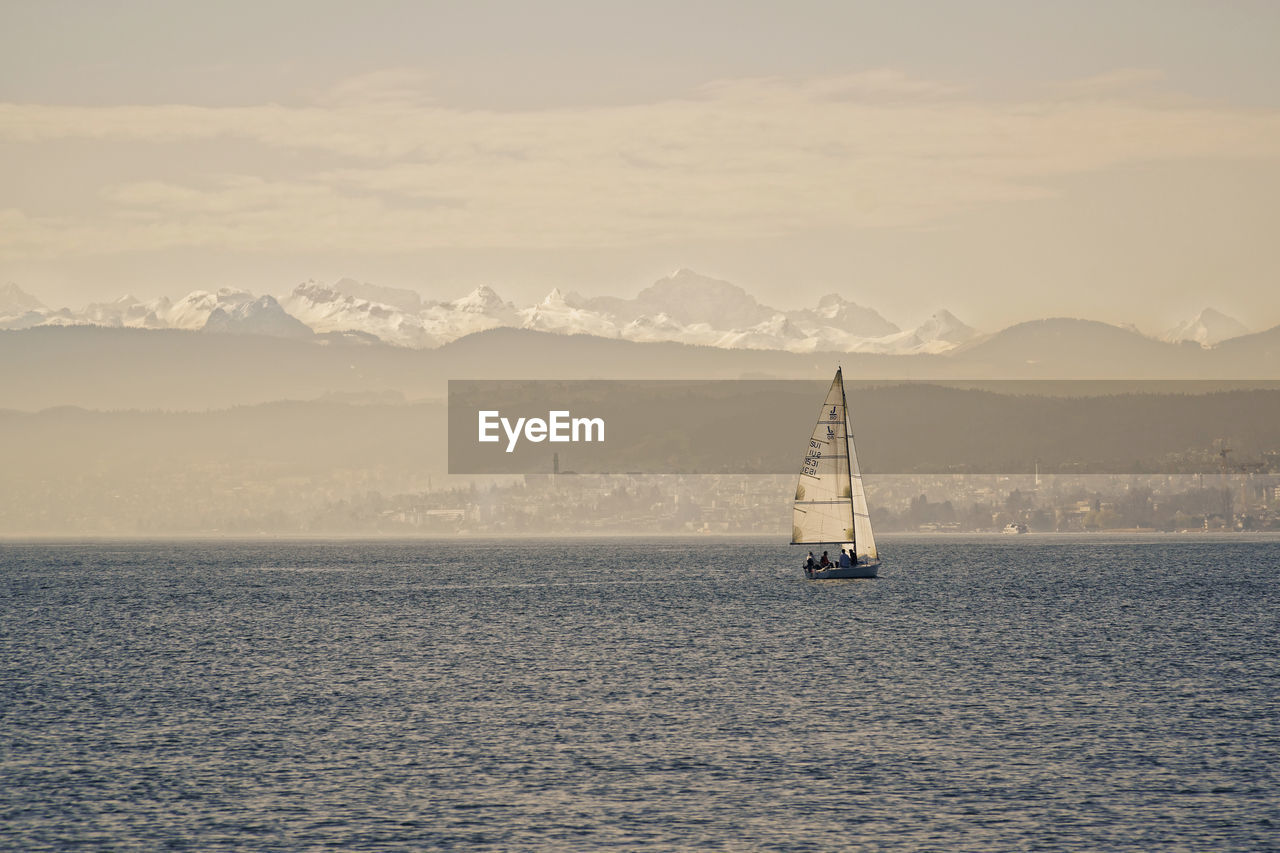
x: 812, y: 458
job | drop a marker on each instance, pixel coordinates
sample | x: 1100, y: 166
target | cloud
x: 877, y: 85
x: 401, y: 87
x: 1119, y: 81
x: 377, y: 168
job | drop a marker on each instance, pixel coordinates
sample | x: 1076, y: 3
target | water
x: 981, y: 695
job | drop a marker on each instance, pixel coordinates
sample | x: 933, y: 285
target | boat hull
x: 862, y: 571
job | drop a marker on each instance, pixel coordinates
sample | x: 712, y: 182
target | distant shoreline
x: 755, y: 538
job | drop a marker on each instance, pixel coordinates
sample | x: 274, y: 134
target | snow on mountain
x: 836, y: 312
x: 778, y: 332
x: 687, y: 298
x: 480, y: 309
x: 556, y: 314
x: 483, y: 300
x: 396, y: 297
x: 192, y: 311
x: 326, y: 309
x: 941, y: 332
x: 19, y: 309
x: 14, y: 301
x: 684, y: 307
x: 946, y: 327
x: 127, y: 311
x: 262, y: 316
x: 690, y: 308
x: 21, y: 320
x: 660, y: 327
x: 1207, y: 328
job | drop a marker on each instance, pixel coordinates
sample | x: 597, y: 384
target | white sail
x: 864, y: 539
x: 824, y: 508
x: 831, y: 503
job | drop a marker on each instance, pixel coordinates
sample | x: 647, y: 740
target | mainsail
x: 831, y: 504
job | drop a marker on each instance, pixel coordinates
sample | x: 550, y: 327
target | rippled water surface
x: 980, y: 695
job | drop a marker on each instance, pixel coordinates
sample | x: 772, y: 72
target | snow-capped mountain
x: 688, y: 298
x: 943, y: 331
x: 778, y: 332
x: 327, y: 309
x: 127, y: 311
x: 695, y: 309
x: 555, y: 314
x: 14, y: 300
x: 262, y: 316
x: 396, y: 297
x: 480, y: 309
x: 836, y: 312
x: 192, y: 311
x: 1207, y: 328
x: 683, y: 307
x: 660, y: 327
x: 19, y: 309
x: 484, y: 300
x: 944, y: 327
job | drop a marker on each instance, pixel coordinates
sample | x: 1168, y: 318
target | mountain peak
x: 261, y: 316
x: 689, y: 297
x: 15, y: 300
x: 839, y: 313
x: 396, y: 297
x: 942, y: 325
x: 483, y: 300
x: 1207, y: 328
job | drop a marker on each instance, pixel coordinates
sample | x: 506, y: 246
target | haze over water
x: 982, y: 694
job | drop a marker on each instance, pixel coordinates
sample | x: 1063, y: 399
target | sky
x: 1118, y: 161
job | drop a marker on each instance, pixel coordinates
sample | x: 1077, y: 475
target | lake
x: 982, y: 694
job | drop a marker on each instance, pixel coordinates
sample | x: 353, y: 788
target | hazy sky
x: 1006, y: 160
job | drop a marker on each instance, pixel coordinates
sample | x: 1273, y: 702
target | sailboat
x: 831, y: 504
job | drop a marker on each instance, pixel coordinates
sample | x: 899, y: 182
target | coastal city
x: 141, y: 489
x: 574, y: 504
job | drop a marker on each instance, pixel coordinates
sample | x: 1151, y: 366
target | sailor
x: 825, y: 562
x: 844, y: 559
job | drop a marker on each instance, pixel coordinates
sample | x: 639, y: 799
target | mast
x: 848, y: 464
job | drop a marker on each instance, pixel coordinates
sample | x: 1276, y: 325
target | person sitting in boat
x: 844, y: 559
x: 811, y: 562
x: 824, y: 563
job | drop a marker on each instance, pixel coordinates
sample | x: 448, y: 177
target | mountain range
x: 684, y: 307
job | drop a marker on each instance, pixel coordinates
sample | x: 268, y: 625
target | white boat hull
x: 865, y: 570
